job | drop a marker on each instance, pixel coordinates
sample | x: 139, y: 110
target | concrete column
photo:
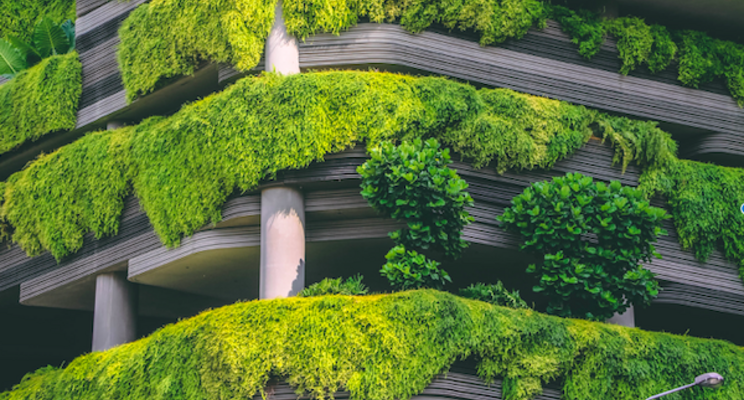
x: 114, y: 125
x: 625, y: 319
x: 115, y: 313
x: 282, y: 52
x: 282, y: 271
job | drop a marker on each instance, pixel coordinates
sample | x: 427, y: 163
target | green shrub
x: 387, y: 347
x: 352, y: 286
x: 593, y: 237
x: 18, y: 17
x: 495, y: 294
x: 40, y: 100
x: 169, y: 38
x: 413, y: 183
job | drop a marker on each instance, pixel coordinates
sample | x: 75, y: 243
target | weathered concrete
x: 282, y: 52
x: 115, y: 313
x: 625, y: 319
x: 282, y: 270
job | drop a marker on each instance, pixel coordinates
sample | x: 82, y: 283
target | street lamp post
x: 711, y: 380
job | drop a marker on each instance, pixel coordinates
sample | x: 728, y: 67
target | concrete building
x: 312, y: 223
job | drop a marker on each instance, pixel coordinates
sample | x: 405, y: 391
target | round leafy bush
x: 352, y: 286
x: 593, y: 237
x: 413, y: 183
x: 495, y: 294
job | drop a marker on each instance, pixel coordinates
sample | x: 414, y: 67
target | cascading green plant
x: 384, y: 347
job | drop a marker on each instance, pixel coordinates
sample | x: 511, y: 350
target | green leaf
x: 50, y: 39
x: 12, y: 60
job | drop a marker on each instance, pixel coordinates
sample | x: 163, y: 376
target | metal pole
x: 672, y: 391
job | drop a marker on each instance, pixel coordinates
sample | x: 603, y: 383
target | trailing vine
x: 385, y: 347
x: 413, y: 183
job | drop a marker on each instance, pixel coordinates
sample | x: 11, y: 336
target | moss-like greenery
x: 704, y: 200
x: 183, y: 167
x: 387, y: 347
x: 169, y: 38
x: 18, y: 17
x: 40, y: 100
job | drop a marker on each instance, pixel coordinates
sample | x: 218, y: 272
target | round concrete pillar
x: 114, y: 125
x: 115, y: 313
x: 282, y: 52
x: 282, y: 271
x: 625, y: 319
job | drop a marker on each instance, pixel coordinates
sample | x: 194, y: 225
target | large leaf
x: 12, y: 60
x: 69, y: 28
x: 29, y: 53
x: 50, y: 38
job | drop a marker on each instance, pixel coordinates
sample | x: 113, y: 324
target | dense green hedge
x: 183, y: 167
x: 387, y: 347
x: 168, y: 38
x: 18, y: 17
x: 40, y: 100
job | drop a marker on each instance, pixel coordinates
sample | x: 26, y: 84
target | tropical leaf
x: 50, y: 38
x: 12, y: 60
x: 29, y: 53
x: 69, y: 28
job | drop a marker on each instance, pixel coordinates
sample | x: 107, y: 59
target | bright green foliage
x: 593, y: 237
x: 704, y: 200
x: 187, y: 164
x: 494, y: 20
x: 495, y: 294
x: 585, y: 29
x: 413, y: 183
x: 169, y: 38
x: 350, y: 287
x: 40, y: 100
x: 387, y: 347
x: 18, y: 17
x: 78, y: 188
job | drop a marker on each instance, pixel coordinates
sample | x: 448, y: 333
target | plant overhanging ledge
x: 40, y: 100
x: 234, y: 139
x: 169, y: 38
x: 386, y: 347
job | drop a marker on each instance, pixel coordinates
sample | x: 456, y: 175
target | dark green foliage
x: 49, y: 39
x: 704, y: 200
x: 18, y: 17
x: 413, y: 183
x: 495, y: 294
x: 407, y: 269
x: 169, y: 38
x: 350, y: 287
x: 387, y: 347
x: 585, y: 29
x: 40, y: 100
x: 593, y: 237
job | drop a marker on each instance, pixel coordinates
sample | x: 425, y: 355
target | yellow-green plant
x: 169, y: 38
x: 386, y: 347
x: 40, y: 100
x: 18, y: 17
